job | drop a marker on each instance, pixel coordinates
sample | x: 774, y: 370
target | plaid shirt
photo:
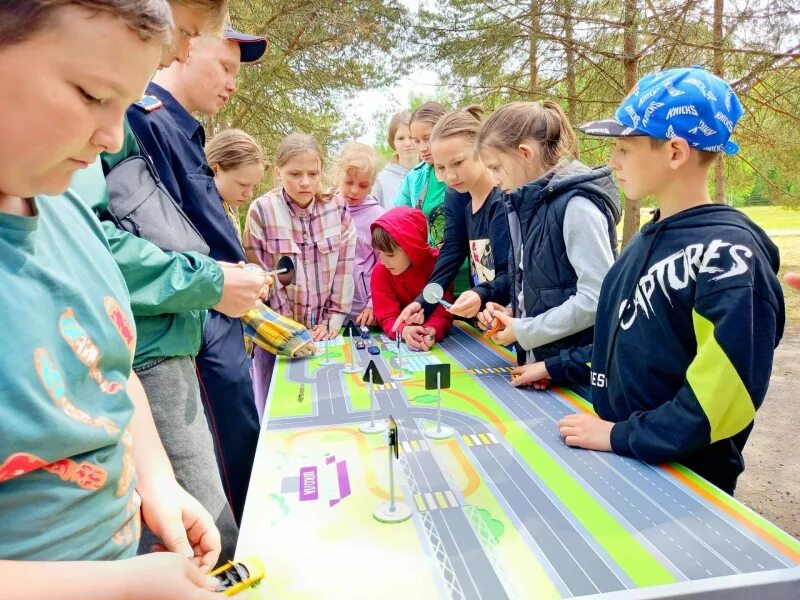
x: 321, y: 239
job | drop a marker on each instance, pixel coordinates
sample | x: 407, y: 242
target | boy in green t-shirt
x: 80, y: 460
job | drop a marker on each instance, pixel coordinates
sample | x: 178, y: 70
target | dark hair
x: 20, y: 19
x: 545, y: 123
x: 429, y: 112
x: 382, y: 241
x: 705, y: 158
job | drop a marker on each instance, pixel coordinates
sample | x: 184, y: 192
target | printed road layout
x: 686, y: 534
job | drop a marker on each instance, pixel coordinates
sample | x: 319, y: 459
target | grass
x: 770, y: 218
x: 789, y: 246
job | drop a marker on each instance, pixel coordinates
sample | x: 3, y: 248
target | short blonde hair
x: 357, y: 158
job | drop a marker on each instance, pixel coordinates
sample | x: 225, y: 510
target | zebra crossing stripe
x: 467, y: 441
x: 484, y: 439
x: 415, y: 445
x: 406, y: 446
x: 451, y: 498
x: 491, y: 437
x: 420, y: 503
x: 440, y: 499
x: 430, y: 501
x: 476, y: 439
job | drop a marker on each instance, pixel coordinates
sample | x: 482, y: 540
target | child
x: 355, y: 173
x: 406, y: 262
x: 562, y: 217
x: 690, y: 314
x: 80, y: 460
x: 238, y: 164
x: 390, y: 179
x: 421, y: 189
x: 316, y: 231
x: 482, y: 218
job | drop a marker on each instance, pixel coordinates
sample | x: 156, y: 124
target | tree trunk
x: 719, y: 70
x: 533, y: 49
x: 569, y: 49
x: 630, y: 61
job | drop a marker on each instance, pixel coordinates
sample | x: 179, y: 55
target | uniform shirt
x: 174, y: 140
x: 67, y: 471
x: 321, y: 240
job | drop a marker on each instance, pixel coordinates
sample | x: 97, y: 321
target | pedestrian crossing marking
x: 385, y: 387
x: 406, y: 446
x: 435, y: 500
x: 490, y: 370
x: 481, y: 439
x: 415, y: 444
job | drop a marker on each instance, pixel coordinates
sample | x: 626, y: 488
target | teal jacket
x: 421, y: 189
x: 170, y: 291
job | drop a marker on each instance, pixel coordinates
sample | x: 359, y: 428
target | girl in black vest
x: 562, y: 217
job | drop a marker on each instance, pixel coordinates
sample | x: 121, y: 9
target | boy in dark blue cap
x: 690, y: 314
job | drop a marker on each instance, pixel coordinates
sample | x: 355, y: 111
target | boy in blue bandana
x: 690, y: 314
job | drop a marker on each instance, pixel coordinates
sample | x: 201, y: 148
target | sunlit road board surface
x: 503, y: 509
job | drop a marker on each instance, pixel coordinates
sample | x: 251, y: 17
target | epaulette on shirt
x: 149, y: 103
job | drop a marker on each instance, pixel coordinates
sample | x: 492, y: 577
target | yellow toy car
x: 234, y: 577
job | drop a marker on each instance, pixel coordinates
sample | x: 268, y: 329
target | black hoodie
x: 687, y: 323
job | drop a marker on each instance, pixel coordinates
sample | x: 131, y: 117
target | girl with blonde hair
x: 390, y: 179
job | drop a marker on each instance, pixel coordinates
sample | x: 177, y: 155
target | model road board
x: 504, y: 509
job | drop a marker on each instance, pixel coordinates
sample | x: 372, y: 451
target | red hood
x: 409, y: 229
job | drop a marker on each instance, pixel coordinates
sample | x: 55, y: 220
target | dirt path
x: 770, y: 484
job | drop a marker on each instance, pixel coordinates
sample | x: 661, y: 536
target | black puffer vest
x: 536, y: 221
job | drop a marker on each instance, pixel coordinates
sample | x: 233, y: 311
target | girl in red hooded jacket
x: 406, y: 261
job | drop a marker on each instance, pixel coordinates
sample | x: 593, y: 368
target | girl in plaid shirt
x: 315, y: 230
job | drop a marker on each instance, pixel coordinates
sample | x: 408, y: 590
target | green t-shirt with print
x: 67, y: 472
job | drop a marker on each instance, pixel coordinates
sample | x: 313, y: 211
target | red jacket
x: 408, y: 227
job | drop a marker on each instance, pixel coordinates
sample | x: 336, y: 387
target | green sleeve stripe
x: 716, y: 384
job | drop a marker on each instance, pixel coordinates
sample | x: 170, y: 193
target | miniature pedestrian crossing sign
x: 376, y: 374
x: 444, y: 376
x: 394, y: 444
x: 351, y: 329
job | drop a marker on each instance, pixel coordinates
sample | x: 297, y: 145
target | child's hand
x: 307, y: 349
x: 486, y: 316
x: 415, y: 337
x: 183, y: 525
x: 534, y: 375
x: 467, y: 305
x: 320, y: 332
x: 412, y: 315
x: 506, y: 335
x: 586, y: 431
x: 165, y: 576
x: 366, y: 317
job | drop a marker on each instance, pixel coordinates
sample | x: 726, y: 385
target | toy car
x: 360, y: 345
x: 364, y: 333
x: 234, y: 577
x: 374, y: 350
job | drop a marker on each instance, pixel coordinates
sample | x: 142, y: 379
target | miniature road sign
x: 351, y: 333
x: 372, y: 376
x: 436, y: 378
x: 392, y: 511
x: 375, y: 378
x: 401, y: 374
x: 327, y: 362
x: 431, y: 377
x: 433, y: 294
